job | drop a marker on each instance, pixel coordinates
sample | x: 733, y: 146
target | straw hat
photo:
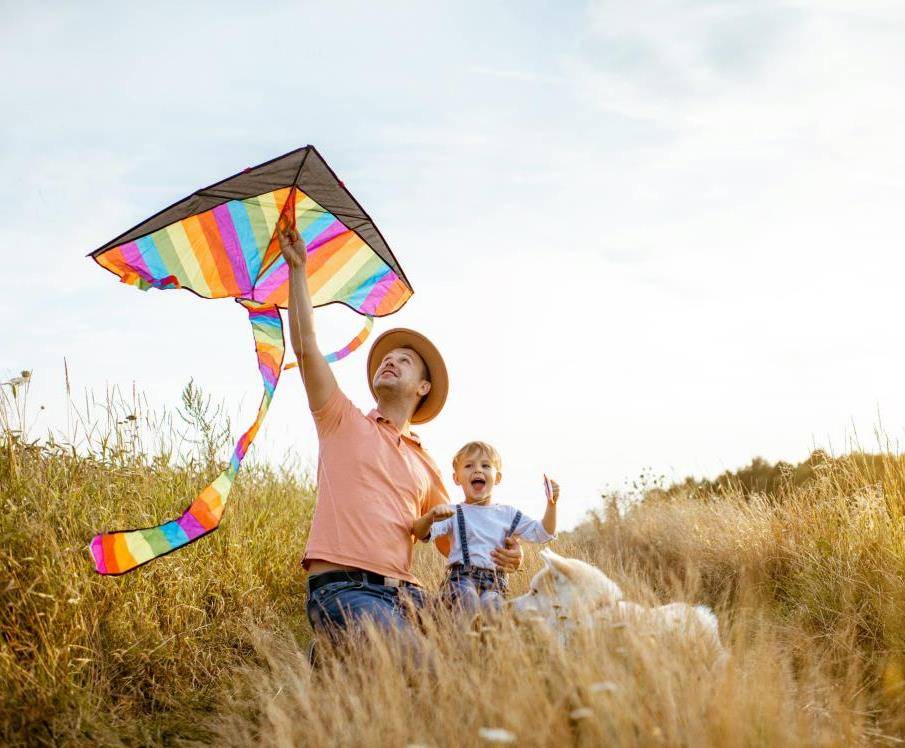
x: 401, y: 337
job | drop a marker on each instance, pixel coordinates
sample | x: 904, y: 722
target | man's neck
x: 397, y: 413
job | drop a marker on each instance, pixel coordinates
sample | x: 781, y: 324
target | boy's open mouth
x: 478, y: 483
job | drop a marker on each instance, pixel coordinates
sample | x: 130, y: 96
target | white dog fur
x: 568, y: 593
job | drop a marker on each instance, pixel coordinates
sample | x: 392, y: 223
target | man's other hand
x: 509, y: 556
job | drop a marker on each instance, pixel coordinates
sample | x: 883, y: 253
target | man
x: 374, y: 477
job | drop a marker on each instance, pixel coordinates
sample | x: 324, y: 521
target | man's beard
x: 389, y: 390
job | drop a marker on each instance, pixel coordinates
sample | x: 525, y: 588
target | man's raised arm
x: 317, y: 376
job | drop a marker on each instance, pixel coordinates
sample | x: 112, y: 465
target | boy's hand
x: 421, y: 527
x: 293, y: 248
x: 551, y: 488
x: 441, y: 511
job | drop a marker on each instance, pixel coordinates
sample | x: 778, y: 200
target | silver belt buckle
x: 392, y: 582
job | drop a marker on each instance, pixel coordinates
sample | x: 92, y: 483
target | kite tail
x: 119, y: 552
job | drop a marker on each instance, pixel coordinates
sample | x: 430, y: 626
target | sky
x: 659, y: 237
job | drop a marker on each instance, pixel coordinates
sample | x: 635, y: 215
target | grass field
x: 208, y: 644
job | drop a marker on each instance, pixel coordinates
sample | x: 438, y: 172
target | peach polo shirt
x: 372, y: 483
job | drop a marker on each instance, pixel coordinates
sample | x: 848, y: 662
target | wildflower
x: 496, y: 735
x: 581, y: 713
x: 604, y: 686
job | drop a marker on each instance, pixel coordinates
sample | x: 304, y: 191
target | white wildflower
x: 496, y: 735
x: 604, y: 686
x: 581, y: 713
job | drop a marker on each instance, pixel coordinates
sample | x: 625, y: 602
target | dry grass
x: 208, y: 644
x: 137, y: 658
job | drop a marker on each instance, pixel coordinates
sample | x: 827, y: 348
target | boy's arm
x: 549, y: 520
x: 317, y: 376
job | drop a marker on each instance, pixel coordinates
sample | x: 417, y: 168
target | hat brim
x: 402, y: 337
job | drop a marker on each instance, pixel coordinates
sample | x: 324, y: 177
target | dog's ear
x: 557, y: 563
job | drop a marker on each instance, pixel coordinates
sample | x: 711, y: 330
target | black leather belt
x: 357, y: 575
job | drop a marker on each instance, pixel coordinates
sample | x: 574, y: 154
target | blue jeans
x: 339, y: 605
x: 475, y: 590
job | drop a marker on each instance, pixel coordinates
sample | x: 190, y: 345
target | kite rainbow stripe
x: 222, y: 241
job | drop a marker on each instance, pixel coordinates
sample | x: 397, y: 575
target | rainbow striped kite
x: 223, y: 241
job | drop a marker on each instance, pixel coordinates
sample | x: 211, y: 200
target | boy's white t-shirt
x: 486, y: 527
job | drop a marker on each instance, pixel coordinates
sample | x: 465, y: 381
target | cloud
x: 677, y: 50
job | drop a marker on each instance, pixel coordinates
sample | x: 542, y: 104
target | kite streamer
x: 345, y: 350
x: 223, y: 241
x: 119, y: 552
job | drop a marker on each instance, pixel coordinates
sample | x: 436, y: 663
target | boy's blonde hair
x: 482, y: 448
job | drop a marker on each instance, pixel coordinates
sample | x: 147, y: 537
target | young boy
x: 477, y: 527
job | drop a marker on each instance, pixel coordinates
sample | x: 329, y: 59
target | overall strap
x: 460, y: 516
x: 515, y: 521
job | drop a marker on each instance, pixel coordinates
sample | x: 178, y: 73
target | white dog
x: 568, y: 593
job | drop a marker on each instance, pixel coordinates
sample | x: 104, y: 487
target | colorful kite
x: 223, y: 241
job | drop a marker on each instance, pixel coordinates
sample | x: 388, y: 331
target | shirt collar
x: 375, y: 415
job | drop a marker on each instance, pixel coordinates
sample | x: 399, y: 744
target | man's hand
x: 554, y: 492
x: 509, y: 557
x: 293, y: 248
x: 320, y: 384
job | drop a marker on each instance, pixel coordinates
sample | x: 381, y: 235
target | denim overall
x: 472, y: 588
